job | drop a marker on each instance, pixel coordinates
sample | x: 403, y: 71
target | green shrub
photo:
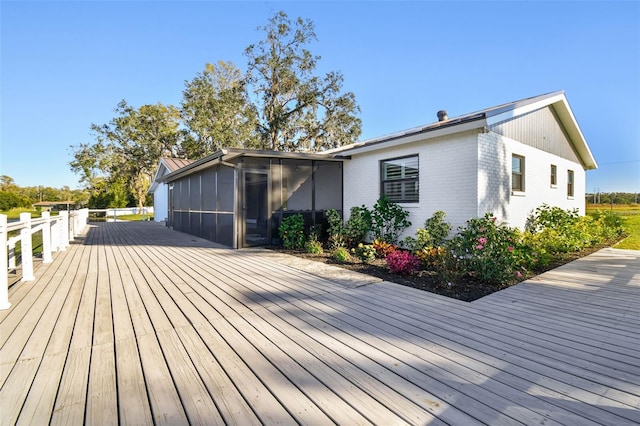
x: 336, y: 230
x: 388, y: 220
x: 292, y: 232
x: 365, y: 252
x: 441, y: 261
x: 612, y: 224
x: 554, y: 230
x: 341, y: 255
x: 489, y: 251
x: 434, y: 233
x: 313, y: 245
x: 358, y: 225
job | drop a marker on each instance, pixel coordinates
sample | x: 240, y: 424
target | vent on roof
x: 442, y: 115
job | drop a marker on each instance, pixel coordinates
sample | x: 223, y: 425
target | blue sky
x: 65, y: 65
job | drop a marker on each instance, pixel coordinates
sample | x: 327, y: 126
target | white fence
x: 123, y: 211
x: 57, y: 231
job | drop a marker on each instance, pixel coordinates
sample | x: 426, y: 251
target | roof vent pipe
x: 442, y: 115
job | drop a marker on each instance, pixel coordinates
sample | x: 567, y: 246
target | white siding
x: 160, y: 203
x: 538, y: 189
x: 448, y: 178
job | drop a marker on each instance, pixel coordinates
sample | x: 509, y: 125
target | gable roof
x: 165, y: 166
x: 483, y: 119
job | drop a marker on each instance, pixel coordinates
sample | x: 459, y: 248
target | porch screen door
x: 255, y: 208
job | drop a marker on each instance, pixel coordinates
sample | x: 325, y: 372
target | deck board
x: 137, y: 324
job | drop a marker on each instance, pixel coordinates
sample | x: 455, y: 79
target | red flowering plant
x: 490, y: 251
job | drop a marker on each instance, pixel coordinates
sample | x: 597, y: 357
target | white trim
x: 517, y: 111
x: 372, y: 145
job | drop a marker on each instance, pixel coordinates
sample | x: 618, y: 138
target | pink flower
x: 495, y: 218
x: 518, y: 274
x: 482, y: 240
x: 510, y: 248
x: 479, y: 246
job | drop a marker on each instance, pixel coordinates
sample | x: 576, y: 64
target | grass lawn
x: 631, y: 214
x: 632, y: 225
x: 135, y: 217
x: 14, y: 214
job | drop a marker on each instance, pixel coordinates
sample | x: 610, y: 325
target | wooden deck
x: 138, y: 324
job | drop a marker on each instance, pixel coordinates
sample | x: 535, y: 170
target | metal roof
x: 224, y: 155
x: 480, y: 119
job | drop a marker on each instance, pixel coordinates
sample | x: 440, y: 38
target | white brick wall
x: 467, y: 175
x: 447, y: 178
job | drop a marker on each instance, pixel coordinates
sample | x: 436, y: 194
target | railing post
x: 4, y: 279
x: 46, y: 238
x: 64, y: 230
x: 72, y: 224
x: 26, y: 247
x: 12, y: 254
x: 55, y: 234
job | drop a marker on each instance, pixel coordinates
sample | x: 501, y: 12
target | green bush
x: 489, y: 251
x: 554, y: 230
x: 336, y: 230
x: 365, y: 252
x: 612, y: 224
x: 358, y: 225
x: 313, y: 245
x: 341, y: 255
x: 388, y: 220
x: 434, y: 233
x: 292, y: 232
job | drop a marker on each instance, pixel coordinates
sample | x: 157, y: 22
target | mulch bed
x: 467, y: 289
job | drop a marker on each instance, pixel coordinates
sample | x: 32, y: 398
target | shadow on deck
x: 143, y: 325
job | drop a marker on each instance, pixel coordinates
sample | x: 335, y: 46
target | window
x: 517, y: 173
x: 569, y: 183
x: 554, y: 175
x: 399, y: 179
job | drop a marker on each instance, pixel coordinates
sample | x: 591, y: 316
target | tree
x: 7, y: 183
x: 298, y: 111
x: 216, y: 112
x: 129, y: 147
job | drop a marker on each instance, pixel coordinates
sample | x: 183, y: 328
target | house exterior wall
x: 468, y: 175
x: 160, y: 203
x: 537, y: 183
x: 494, y: 176
x: 447, y: 178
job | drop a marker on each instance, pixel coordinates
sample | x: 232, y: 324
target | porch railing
x: 56, y: 231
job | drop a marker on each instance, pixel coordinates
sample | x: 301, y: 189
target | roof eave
x: 415, y: 136
x: 563, y: 110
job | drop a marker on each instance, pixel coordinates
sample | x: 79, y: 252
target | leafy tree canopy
x: 297, y: 110
x: 129, y: 147
x: 280, y: 104
x: 216, y: 112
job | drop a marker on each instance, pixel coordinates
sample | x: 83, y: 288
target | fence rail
x: 56, y: 231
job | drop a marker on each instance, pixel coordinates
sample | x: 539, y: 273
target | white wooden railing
x: 57, y: 231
